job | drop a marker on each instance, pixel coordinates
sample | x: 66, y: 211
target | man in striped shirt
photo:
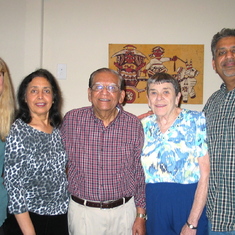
x: 220, y: 119
x: 106, y: 179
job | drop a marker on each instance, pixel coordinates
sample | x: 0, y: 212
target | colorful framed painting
x: 137, y: 62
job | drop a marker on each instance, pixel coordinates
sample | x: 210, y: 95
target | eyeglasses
x: 110, y: 88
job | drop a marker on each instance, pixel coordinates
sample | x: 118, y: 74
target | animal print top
x: 35, y: 175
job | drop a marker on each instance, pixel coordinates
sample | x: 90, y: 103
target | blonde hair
x: 7, y: 102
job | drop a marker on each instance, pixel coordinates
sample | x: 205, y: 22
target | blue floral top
x: 173, y: 156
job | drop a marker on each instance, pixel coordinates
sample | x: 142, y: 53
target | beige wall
x: 20, y: 36
x: 37, y: 33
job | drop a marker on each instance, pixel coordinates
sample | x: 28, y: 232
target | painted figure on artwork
x: 156, y: 61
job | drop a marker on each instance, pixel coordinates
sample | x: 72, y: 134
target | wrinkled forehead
x: 105, y: 78
x: 162, y: 85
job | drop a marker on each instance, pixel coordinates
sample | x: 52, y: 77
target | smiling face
x: 103, y: 101
x: 162, y: 99
x: 224, y: 62
x: 39, y: 97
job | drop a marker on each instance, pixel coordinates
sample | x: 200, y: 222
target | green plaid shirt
x: 220, y: 120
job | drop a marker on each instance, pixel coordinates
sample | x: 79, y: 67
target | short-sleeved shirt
x: 173, y: 156
x: 35, y: 176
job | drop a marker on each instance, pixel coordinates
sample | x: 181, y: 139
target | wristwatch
x: 144, y: 216
x: 190, y: 225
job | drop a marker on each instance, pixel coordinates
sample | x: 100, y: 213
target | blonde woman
x: 7, y: 111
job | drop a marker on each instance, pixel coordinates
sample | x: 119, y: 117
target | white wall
x: 45, y: 33
x: 20, y: 36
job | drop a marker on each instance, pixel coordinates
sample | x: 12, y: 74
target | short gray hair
x: 159, y: 78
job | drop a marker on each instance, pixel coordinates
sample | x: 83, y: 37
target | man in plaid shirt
x: 220, y: 119
x: 106, y: 179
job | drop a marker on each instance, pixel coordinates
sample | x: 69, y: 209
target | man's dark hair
x: 225, y: 32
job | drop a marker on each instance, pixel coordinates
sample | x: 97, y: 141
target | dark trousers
x: 168, y: 207
x: 1, y: 231
x: 43, y: 225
